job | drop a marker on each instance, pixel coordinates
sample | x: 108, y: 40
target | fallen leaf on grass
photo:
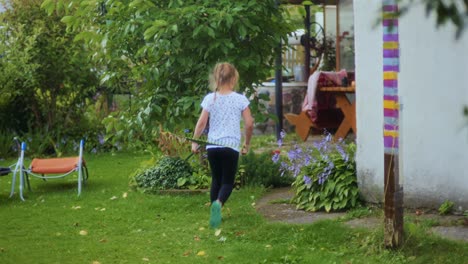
x: 76, y: 207
x: 218, y: 232
x: 201, y: 253
x: 201, y: 228
x: 83, y: 232
x: 96, y: 262
x: 103, y: 240
x: 268, y: 246
x: 187, y: 253
x: 145, y: 259
x: 196, y: 238
x: 239, y: 233
x: 124, y: 195
x: 113, y: 197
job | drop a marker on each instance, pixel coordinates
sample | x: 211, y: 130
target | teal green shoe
x: 215, y: 216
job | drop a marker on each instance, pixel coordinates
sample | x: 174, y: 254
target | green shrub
x: 446, y: 207
x: 169, y: 173
x: 172, y: 173
x: 45, y: 75
x: 7, y: 145
x: 260, y: 170
x: 201, y: 178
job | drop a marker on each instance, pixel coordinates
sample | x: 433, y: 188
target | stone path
x: 269, y: 205
x: 274, y: 207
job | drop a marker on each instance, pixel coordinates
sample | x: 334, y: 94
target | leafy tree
x: 44, y: 76
x: 162, y: 51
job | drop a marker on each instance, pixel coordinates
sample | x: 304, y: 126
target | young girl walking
x: 224, y: 109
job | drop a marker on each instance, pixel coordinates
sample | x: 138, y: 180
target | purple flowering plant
x: 324, y: 172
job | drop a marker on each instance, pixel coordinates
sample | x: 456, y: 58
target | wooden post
x: 393, y: 190
x: 307, y: 42
x: 279, y: 87
x: 338, y: 40
x: 393, y: 204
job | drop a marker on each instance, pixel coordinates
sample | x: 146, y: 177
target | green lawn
x: 110, y: 223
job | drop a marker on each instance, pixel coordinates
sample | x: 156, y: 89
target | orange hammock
x: 50, y: 168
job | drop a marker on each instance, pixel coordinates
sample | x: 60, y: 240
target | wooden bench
x: 343, y: 117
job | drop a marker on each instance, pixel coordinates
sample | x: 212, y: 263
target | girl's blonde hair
x: 223, y: 73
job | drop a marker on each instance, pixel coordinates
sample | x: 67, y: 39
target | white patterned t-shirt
x: 224, y: 119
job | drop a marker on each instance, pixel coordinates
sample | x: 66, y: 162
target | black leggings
x: 223, y: 163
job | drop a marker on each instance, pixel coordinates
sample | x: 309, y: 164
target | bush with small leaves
x: 168, y: 173
x: 257, y: 169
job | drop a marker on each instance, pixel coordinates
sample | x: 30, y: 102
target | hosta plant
x: 325, y: 174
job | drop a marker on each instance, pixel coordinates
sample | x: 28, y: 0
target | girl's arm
x: 201, y: 124
x: 248, y: 127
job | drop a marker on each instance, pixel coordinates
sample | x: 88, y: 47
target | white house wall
x: 433, y: 88
x: 369, y: 113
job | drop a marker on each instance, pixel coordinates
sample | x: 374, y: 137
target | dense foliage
x: 162, y: 51
x: 169, y: 173
x: 257, y: 169
x: 45, y: 77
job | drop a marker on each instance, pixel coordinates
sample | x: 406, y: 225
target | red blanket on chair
x: 315, y: 101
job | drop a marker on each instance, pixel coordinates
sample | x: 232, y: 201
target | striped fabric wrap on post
x: 391, y: 68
